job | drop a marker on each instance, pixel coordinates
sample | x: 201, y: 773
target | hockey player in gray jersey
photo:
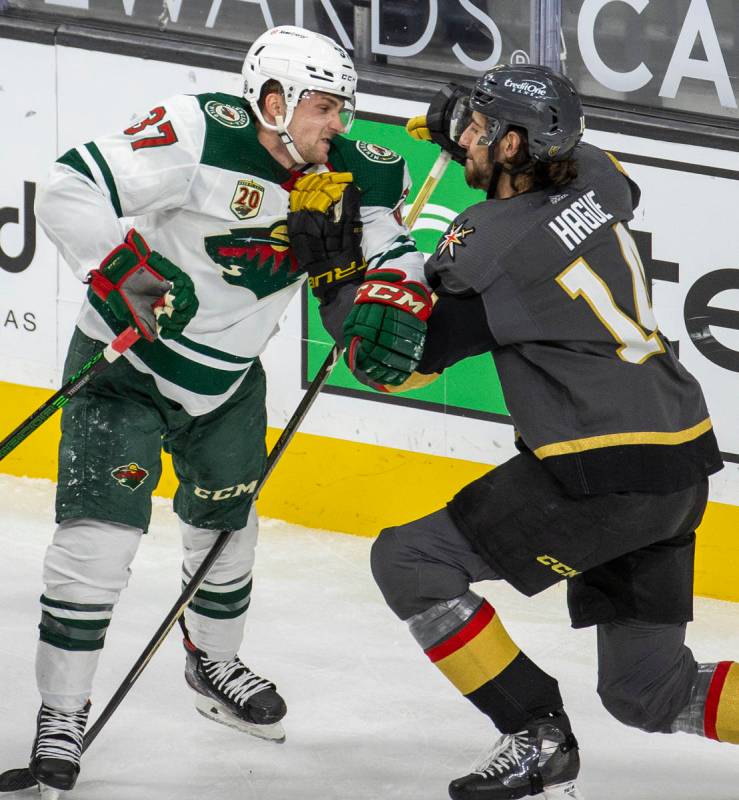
x: 179, y: 224
x: 615, y: 442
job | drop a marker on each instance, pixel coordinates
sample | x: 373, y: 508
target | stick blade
x: 14, y: 780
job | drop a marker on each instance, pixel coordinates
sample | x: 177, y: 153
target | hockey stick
x: 427, y: 188
x: 16, y: 779
x: 100, y: 361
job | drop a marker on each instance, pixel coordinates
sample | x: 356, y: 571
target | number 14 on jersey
x: 638, y: 339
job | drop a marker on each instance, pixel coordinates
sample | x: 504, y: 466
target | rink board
x: 364, y: 461
x: 360, y: 488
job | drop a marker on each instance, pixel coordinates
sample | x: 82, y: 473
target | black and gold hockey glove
x: 436, y: 124
x: 325, y: 231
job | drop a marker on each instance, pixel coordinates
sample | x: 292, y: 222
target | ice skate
x: 541, y: 760
x: 55, y: 757
x: 228, y: 692
x: 49, y: 793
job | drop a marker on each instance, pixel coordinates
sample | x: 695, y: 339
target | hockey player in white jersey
x: 189, y: 207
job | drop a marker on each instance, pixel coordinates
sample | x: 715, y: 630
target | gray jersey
x: 593, y: 388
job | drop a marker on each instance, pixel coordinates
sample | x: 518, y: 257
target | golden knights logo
x: 453, y: 238
x: 130, y: 475
x: 258, y: 259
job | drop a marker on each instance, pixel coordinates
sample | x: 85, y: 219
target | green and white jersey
x: 193, y: 179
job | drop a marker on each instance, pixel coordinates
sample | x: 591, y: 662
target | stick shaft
x: 193, y: 584
x: 428, y: 187
x: 100, y: 361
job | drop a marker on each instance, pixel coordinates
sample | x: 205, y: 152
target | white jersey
x: 194, y: 180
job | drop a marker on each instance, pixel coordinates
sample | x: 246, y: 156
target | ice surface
x: 369, y: 718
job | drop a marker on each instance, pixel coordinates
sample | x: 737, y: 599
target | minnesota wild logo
x: 258, y: 259
x: 374, y: 152
x: 130, y: 475
x: 230, y: 116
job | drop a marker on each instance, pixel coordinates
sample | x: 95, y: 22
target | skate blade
x: 563, y: 791
x: 49, y: 792
x: 211, y: 709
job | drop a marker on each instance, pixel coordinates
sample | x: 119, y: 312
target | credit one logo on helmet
x: 529, y: 88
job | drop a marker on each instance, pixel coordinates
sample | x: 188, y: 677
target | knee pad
x: 410, y: 579
x: 641, y: 710
x: 386, y: 563
x: 88, y: 561
x: 645, y: 672
x: 235, y: 562
x: 622, y: 706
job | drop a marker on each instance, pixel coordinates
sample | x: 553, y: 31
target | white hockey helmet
x: 301, y: 61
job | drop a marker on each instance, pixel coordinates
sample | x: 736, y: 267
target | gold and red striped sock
x: 721, y: 716
x: 488, y: 668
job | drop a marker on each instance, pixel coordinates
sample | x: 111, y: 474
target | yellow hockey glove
x: 417, y: 128
x: 319, y: 191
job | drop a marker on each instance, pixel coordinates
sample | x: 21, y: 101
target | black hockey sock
x: 484, y: 663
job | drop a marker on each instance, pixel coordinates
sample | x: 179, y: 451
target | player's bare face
x: 316, y: 120
x: 478, y: 170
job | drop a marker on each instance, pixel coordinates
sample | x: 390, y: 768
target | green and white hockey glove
x: 144, y: 289
x: 325, y: 231
x: 385, y: 330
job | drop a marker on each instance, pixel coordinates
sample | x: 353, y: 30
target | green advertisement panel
x: 470, y: 388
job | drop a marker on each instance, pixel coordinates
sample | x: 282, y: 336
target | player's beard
x: 478, y: 175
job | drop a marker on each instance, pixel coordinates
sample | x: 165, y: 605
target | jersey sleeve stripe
x: 102, y: 165
x: 390, y: 255
x: 73, y: 159
x: 213, y: 352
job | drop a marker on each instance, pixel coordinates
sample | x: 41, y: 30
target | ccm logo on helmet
x: 227, y: 493
x: 529, y: 88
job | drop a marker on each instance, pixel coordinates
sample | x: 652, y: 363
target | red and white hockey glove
x: 385, y: 330
x: 144, y: 289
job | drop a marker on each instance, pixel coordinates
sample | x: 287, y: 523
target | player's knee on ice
x: 645, y: 673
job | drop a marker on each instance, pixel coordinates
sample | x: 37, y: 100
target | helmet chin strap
x: 494, y: 178
x: 499, y: 168
x: 287, y: 140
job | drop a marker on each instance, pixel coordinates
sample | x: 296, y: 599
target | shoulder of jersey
x: 231, y: 141
x: 378, y: 172
x: 225, y: 110
x: 465, y: 255
x: 604, y: 172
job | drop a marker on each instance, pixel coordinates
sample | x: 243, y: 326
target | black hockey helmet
x: 543, y: 102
